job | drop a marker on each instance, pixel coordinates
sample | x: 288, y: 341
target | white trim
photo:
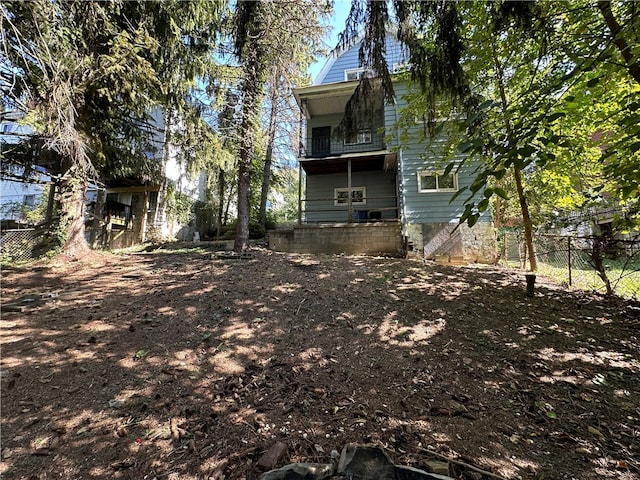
x: 339, y: 202
x: 359, y: 73
x: 436, y: 175
x: 400, y: 67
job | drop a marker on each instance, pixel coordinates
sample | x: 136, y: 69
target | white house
x: 17, y: 194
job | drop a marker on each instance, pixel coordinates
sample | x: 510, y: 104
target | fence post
x: 569, y: 250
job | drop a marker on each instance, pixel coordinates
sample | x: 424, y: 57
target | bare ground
x: 178, y: 364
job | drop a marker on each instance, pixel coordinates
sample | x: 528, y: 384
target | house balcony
x: 326, y: 145
x: 323, y: 108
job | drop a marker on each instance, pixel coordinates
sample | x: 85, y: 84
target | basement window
x: 358, y: 196
x: 437, y: 182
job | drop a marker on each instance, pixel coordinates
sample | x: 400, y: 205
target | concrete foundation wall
x: 368, y: 239
x: 439, y: 241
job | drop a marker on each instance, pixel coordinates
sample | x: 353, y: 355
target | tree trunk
x: 253, y: 91
x: 68, y: 231
x: 266, y: 171
x: 597, y: 261
x: 526, y: 220
x: 241, y: 242
x: 221, y: 202
x: 633, y: 63
x: 225, y: 218
x: 511, y: 138
x: 247, y: 135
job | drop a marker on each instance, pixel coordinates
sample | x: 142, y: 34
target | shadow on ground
x: 178, y: 364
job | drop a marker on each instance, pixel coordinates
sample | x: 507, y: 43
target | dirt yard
x: 177, y: 364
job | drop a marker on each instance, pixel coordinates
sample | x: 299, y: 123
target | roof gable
x: 340, y: 60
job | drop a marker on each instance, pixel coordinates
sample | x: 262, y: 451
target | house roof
x: 339, y: 50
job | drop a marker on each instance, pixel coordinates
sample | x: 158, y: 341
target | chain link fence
x: 19, y: 245
x: 599, y: 263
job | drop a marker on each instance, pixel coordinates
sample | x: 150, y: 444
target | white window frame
x: 359, y: 74
x: 361, y: 137
x: 339, y: 201
x: 401, y: 67
x: 29, y: 200
x: 436, y: 175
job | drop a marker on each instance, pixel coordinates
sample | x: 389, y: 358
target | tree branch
x: 633, y: 64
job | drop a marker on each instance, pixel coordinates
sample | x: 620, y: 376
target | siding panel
x: 349, y: 60
x: 380, y: 187
x: 416, y: 156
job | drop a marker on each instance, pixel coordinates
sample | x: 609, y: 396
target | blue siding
x: 414, y: 157
x: 348, y: 60
x: 381, y: 195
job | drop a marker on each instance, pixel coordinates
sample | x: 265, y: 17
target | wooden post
x: 145, y: 212
x: 531, y: 283
x: 299, y: 193
x: 301, y: 150
x: 569, y: 250
x: 350, y: 214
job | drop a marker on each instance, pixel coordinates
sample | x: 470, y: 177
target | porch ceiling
x: 131, y: 185
x: 324, y: 99
x: 359, y: 163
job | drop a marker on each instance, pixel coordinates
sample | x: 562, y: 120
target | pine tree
x: 87, y: 74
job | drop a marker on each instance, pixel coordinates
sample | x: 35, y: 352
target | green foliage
x: 180, y: 207
x: 256, y: 231
x: 205, y: 218
x: 284, y: 197
x: 90, y: 76
x: 567, y: 80
x: 36, y: 215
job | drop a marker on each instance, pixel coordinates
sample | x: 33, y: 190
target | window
x: 358, y: 196
x: 437, y: 182
x: 153, y: 201
x: 358, y: 137
x: 401, y: 67
x: 30, y: 200
x: 354, y: 74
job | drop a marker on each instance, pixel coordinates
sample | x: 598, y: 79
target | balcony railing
x: 325, y: 146
x: 381, y: 208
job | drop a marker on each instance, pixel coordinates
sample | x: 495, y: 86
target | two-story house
x: 376, y: 189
